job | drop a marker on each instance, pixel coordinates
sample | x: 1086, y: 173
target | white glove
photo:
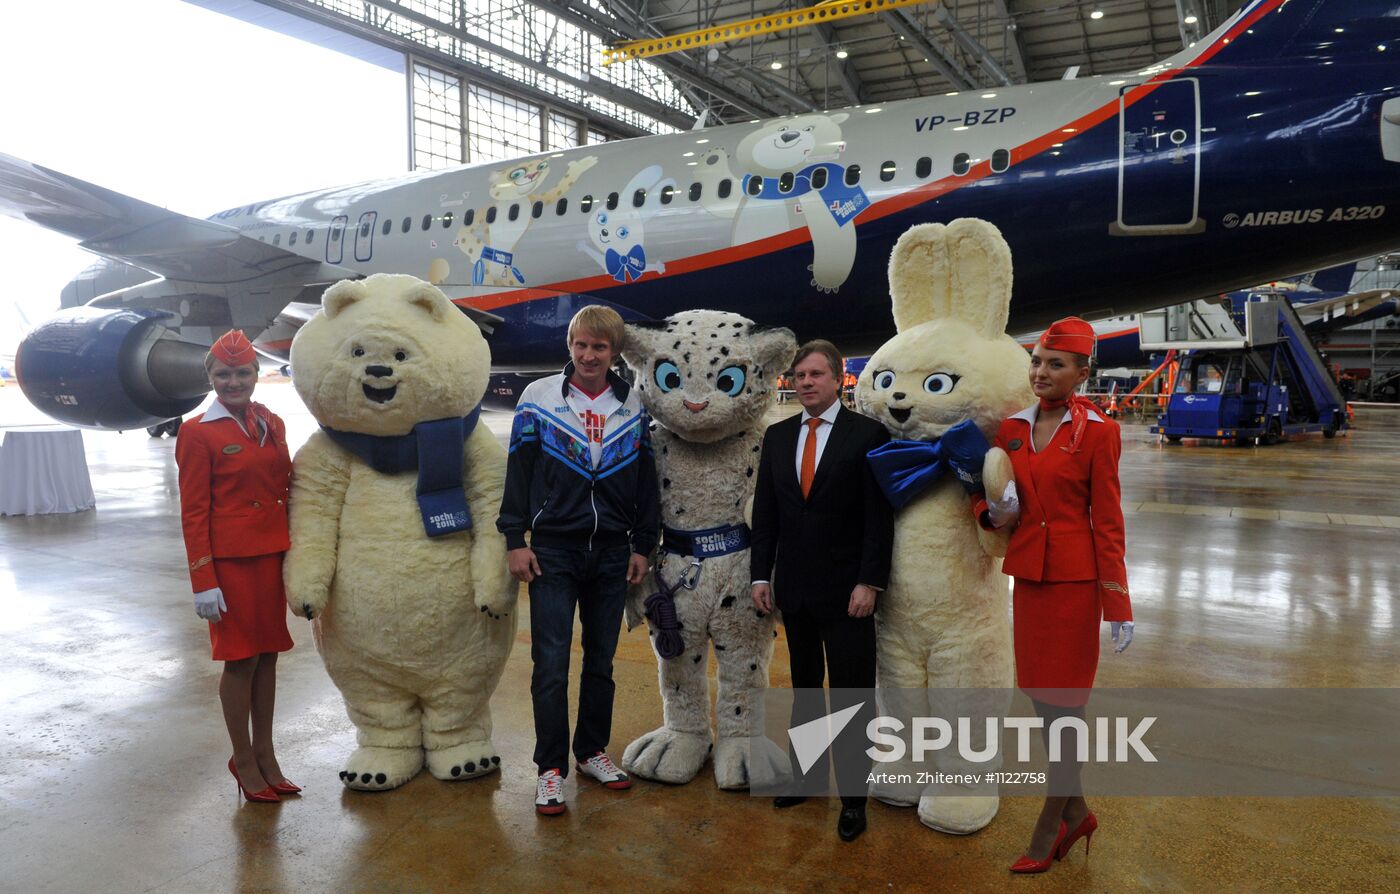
x: 209, y: 603
x: 1005, y: 510
x: 1123, y: 629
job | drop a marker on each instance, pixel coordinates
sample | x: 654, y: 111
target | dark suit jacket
x: 816, y: 550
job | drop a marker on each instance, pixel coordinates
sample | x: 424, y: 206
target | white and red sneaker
x: 601, y: 768
x: 549, y: 793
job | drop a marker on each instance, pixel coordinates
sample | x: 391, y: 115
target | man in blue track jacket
x: 582, y: 481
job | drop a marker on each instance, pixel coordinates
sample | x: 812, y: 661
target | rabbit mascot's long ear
x: 961, y: 271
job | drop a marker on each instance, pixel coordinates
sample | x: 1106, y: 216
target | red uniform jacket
x: 1071, y: 525
x: 233, y: 491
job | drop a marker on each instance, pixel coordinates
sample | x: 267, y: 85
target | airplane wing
x: 127, y: 229
x: 1334, y: 313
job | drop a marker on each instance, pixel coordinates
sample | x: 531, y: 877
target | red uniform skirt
x: 256, y: 620
x: 1056, y: 636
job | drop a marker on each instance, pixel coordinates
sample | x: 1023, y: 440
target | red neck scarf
x: 1079, y: 407
x: 255, y: 419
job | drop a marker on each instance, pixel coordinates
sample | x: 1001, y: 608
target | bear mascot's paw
x: 372, y: 769
x: 667, y: 755
x: 466, y: 761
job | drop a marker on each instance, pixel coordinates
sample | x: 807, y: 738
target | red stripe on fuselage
x: 892, y: 205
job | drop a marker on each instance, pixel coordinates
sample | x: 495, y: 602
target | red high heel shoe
x: 286, y: 787
x: 266, y: 796
x: 1086, y: 829
x: 1027, y: 865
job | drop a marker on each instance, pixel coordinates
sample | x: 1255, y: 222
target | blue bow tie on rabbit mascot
x: 626, y: 267
x: 905, y: 469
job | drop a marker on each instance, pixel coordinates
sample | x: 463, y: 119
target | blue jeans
x: 596, y: 582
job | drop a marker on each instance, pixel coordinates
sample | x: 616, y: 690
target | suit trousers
x: 842, y: 651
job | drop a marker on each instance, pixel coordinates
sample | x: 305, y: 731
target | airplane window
x: 310, y: 234
x: 514, y: 212
x: 887, y: 171
x: 561, y: 206
x: 447, y: 219
x: 335, y: 233
x: 364, y: 229
x: 427, y: 221
x: 292, y: 239
x: 585, y: 203
x: 923, y: 167
x: 383, y: 231
x: 277, y: 239
x: 1001, y: 160
x: 612, y: 201
x: 819, y: 178
x: 639, y: 198
x: 695, y: 192
x: 724, y: 187
x: 786, y: 181
x: 491, y: 214
x: 406, y: 225
x: 962, y: 163
x: 668, y: 192
x: 852, y: 175
x: 753, y: 184
x: 468, y: 217
x: 537, y: 209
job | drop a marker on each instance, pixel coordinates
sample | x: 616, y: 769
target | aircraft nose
x: 382, y: 371
x: 789, y: 135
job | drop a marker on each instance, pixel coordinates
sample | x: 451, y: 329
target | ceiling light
x: 842, y: 53
x: 1096, y: 14
x: 775, y: 65
x: 1190, y: 18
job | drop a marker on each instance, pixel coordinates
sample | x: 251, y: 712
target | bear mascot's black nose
x: 789, y: 135
x: 379, y: 371
x: 898, y: 395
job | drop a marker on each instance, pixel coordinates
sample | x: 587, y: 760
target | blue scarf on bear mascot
x: 434, y: 448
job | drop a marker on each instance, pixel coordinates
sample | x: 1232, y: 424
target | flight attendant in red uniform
x: 1066, y: 555
x: 235, y: 474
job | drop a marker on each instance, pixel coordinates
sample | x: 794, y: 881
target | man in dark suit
x: 822, y: 534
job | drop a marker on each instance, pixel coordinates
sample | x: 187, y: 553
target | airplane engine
x: 110, y: 369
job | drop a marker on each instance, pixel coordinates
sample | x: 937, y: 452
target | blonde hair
x: 598, y: 320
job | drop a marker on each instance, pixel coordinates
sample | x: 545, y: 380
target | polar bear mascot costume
x: 394, y: 552
x: 707, y: 378
x: 950, y: 375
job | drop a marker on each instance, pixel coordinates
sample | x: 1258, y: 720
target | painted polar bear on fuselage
x: 490, y: 245
x: 799, y: 183
x: 943, y: 638
x: 707, y: 378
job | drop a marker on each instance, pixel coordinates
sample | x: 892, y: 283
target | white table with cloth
x: 43, y: 470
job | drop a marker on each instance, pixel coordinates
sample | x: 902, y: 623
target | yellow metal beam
x: 830, y: 11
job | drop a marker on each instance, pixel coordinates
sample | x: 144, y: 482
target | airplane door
x: 364, y: 235
x: 1159, y: 161
x: 335, y: 240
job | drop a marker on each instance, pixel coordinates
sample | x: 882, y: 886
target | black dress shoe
x: 851, y: 823
x: 788, y: 800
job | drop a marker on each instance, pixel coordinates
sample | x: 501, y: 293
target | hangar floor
x: 1270, y: 567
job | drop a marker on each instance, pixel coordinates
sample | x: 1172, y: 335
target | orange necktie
x: 809, y: 456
